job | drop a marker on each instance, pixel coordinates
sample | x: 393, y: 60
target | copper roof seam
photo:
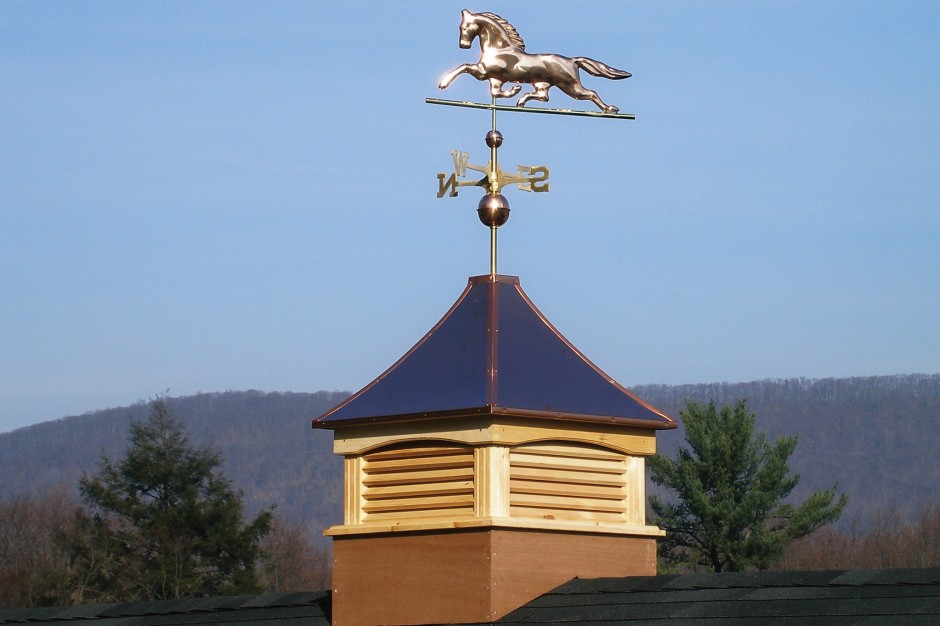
x: 492, y: 329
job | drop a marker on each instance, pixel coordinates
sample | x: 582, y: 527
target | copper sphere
x: 493, y: 209
x: 494, y: 139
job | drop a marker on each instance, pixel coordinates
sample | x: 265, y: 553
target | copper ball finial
x: 493, y: 209
x: 494, y: 139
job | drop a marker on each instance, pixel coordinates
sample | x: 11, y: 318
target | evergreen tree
x: 730, y: 485
x: 164, y: 523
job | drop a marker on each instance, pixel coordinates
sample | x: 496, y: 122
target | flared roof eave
x: 494, y: 352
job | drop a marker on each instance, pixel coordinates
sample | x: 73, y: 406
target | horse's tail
x: 596, y: 68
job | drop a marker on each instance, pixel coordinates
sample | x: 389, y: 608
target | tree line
x: 877, y: 389
x: 876, y: 435
x: 265, y: 439
x: 892, y: 539
x: 163, y: 522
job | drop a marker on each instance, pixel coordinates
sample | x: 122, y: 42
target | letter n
x: 443, y: 186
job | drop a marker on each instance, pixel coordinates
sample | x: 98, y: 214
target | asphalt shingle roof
x: 858, y: 598
x: 272, y: 609
x: 753, y: 599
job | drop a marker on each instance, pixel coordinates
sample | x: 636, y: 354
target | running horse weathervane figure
x: 504, y: 60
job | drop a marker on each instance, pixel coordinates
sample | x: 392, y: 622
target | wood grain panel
x: 469, y: 576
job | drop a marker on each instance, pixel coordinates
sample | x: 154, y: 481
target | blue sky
x: 204, y: 196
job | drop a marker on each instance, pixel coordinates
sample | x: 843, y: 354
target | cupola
x: 490, y: 464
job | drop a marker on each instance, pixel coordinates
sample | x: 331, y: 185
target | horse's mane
x: 509, y: 28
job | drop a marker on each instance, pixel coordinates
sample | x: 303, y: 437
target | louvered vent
x: 567, y: 482
x: 417, y: 482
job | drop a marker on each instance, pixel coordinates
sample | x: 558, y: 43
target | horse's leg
x: 496, y: 89
x: 476, y: 70
x: 540, y: 94
x: 579, y: 91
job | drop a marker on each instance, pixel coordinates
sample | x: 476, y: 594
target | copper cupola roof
x: 494, y: 353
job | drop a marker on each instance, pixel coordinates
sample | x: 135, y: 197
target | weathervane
x: 504, y: 60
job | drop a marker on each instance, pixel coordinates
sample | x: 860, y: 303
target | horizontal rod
x: 518, y: 109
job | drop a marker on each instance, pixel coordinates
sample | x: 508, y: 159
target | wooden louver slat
x: 567, y: 482
x: 409, y: 483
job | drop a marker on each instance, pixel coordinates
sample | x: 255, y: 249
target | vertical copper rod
x: 494, y: 112
x: 494, y: 167
x: 493, y: 230
x: 494, y: 163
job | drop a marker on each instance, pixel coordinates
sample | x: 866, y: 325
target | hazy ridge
x: 878, y: 437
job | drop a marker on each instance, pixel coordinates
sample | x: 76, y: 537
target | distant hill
x: 269, y: 449
x: 876, y: 436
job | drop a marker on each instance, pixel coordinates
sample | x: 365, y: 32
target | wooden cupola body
x: 490, y: 464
